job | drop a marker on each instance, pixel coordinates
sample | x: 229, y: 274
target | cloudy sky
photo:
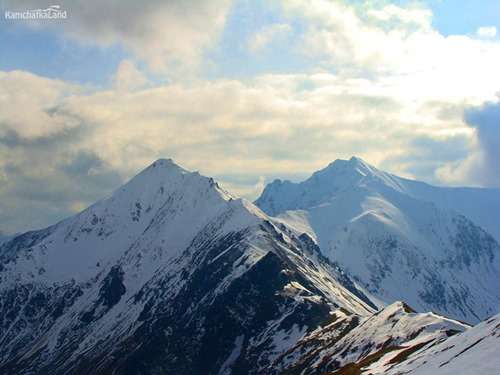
x: 243, y: 90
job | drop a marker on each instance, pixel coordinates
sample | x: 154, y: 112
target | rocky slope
x: 472, y: 351
x: 349, y: 343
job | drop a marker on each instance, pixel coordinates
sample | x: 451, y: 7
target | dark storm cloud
x: 12, y: 139
x: 46, y: 179
x: 426, y: 155
x: 443, y: 150
x: 486, y: 121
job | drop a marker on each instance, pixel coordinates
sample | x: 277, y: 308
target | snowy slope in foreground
x: 475, y: 351
x: 397, y: 341
x: 397, y: 246
x: 350, y: 343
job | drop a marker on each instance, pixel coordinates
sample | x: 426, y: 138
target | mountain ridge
x: 141, y: 270
x: 172, y: 274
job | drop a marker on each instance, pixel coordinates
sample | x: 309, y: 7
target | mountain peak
x: 162, y: 170
x: 355, y: 160
x: 352, y: 172
x: 353, y: 164
x: 339, y: 176
x: 164, y: 180
x: 166, y: 164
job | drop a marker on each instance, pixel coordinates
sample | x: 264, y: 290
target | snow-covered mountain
x: 174, y: 275
x: 397, y: 237
x: 171, y: 274
x: 481, y: 205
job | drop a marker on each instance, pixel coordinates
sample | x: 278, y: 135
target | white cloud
x: 245, y: 188
x: 267, y: 35
x: 400, y: 88
x: 414, y: 16
x: 128, y: 77
x: 26, y: 102
x: 170, y: 36
x: 241, y: 132
x: 487, y: 32
x: 407, y: 52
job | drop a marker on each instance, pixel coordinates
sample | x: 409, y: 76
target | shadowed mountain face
x: 173, y: 275
x: 396, y: 237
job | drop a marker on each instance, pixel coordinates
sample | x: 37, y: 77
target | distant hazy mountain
x: 397, y: 237
x: 173, y: 275
x: 4, y: 237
